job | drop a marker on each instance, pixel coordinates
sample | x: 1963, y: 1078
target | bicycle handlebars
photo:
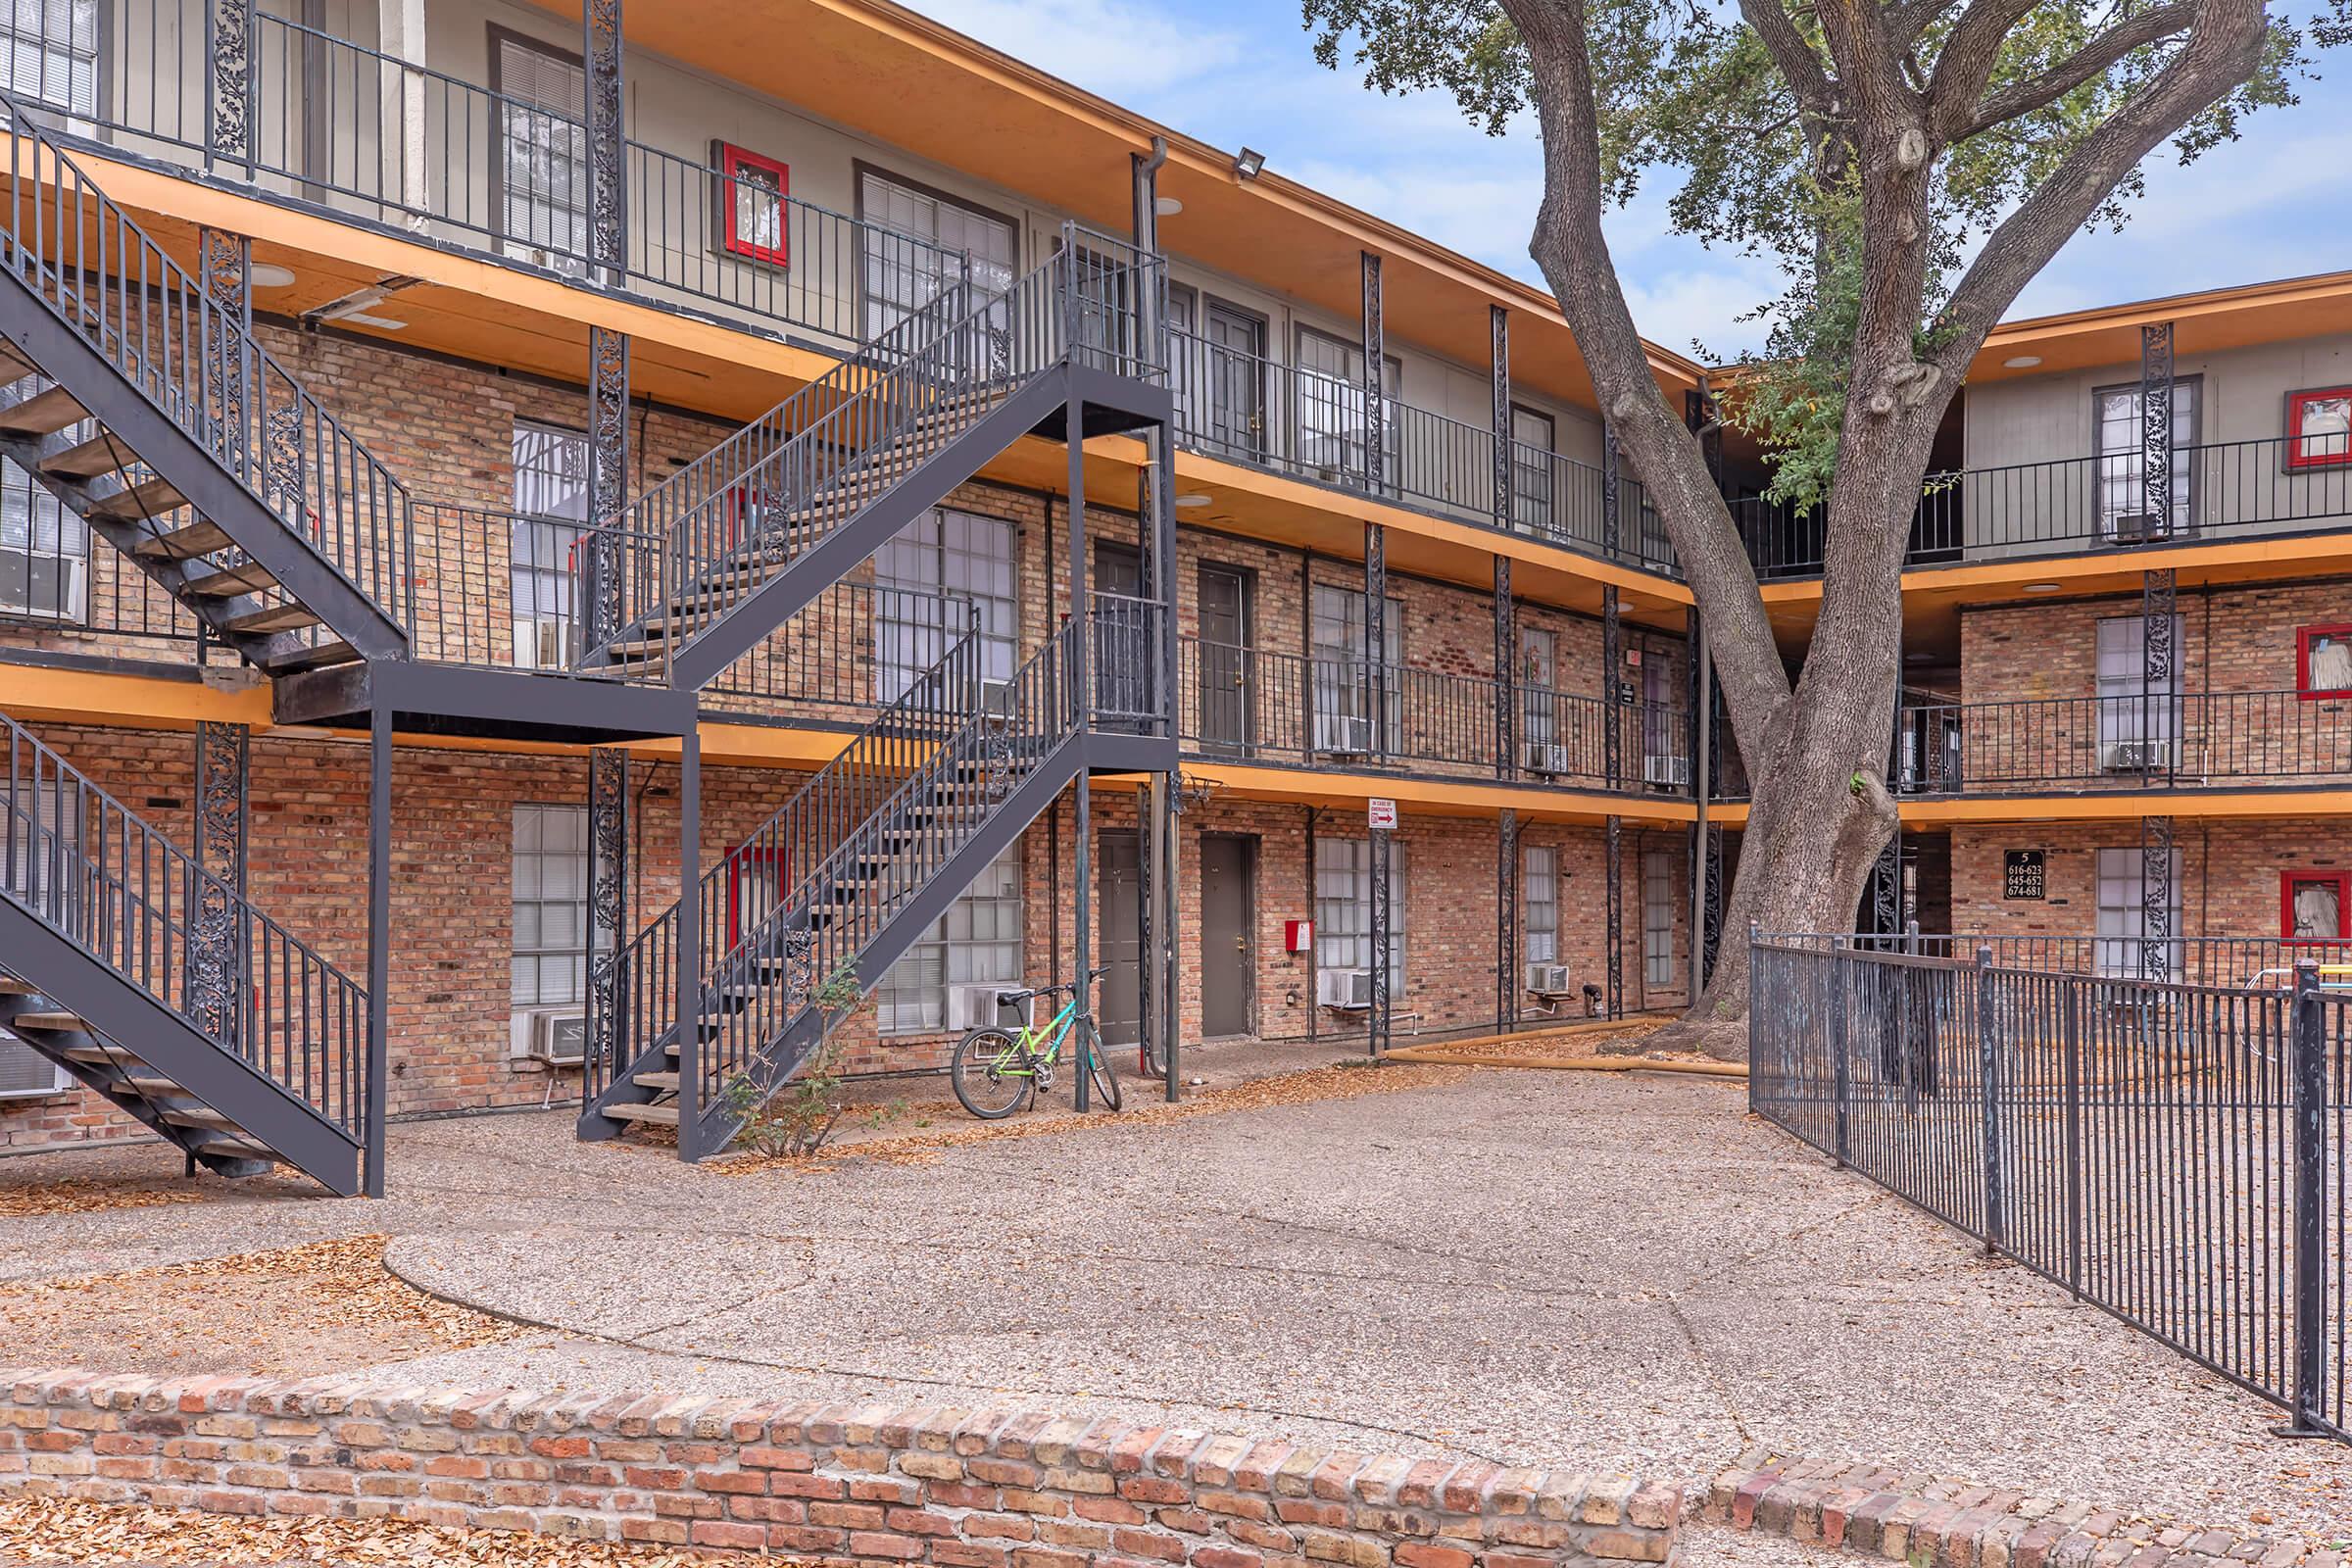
x: 1009, y: 997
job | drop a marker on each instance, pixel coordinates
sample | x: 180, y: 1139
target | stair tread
x: 61, y: 1022
x: 230, y: 582
x: 656, y: 1080
x: 95, y: 1055
x: 11, y: 987
x: 199, y: 538
x: 46, y: 412
x: 314, y: 656
x: 291, y: 615
x: 103, y: 452
x: 665, y: 1115
x: 14, y: 364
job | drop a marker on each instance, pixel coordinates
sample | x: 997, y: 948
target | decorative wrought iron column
x: 1613, y: 934
x: 1506, y: 629
x: 607, y: 192
x: 1700, y: 719
x: 1376, y: 359
x: 600, y: 609
x: 1155, y: 529
x: 232, y: 109
x: 1612, y: 731
x: 2159, y: 675
x: 1610, y: 523
x: 219, y: 962
x: 1507, y: 918
x: 224, y: 272
x: 1377, y: 1021
x: 1711, y: 920
x: 1886, y: 887
x: 1499, y: 377
x: 609, y: 929
x: 2156, y: 428
x: 2156, y: 931
x: 1376, y: 633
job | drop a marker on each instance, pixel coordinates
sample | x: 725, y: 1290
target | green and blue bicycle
x: 996, y: 1071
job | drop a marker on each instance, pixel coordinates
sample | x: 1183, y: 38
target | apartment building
x: 539, y: 549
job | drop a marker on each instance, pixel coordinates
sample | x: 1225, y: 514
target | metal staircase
x: 728, y: 547
x: 946, y: 785
x: 144, y: 404
x: 160, y: 987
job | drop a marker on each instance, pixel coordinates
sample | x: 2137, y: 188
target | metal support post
x: 1376, y: 633
x: 2159, y: 675
x: 609, y: 925
x: 1506, y: 672
x: 1082, y: 685
x: 2156, y: 393
x: 607, y: 192
x: 1378, y: 1020
x: 1507, y: 918
x: 1988, y: 1085
x: 1842, y: 1001
x: 232, y: 111
x: 223, y: 942
x: 1614, y: 933
x: 2156, y: 898
x: 690, y: 946
x: 1700, y: 829
x: 600, y: 596
x: 379, y: 945
x: 1376, y: 361
x: 2306, y: 1418
x: 1610, y: 524
x: 1498, y: 377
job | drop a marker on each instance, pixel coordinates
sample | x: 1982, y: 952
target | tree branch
x: 1966, y: 61
x: 2223, y: 46
x: 2083, y: 64
x: 1791, y: 56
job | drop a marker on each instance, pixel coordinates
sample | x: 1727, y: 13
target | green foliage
x: 798, y: 1119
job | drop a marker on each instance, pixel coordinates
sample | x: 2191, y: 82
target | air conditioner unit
x: 543, y: 642
x: 27, y: 1074
x: 559, y: 1039
x: 1671, y: 772
x: 2138, y: 527
x: 2134, y: 757
x: 996, y: 700
x: 1342, y: 734
x: 1349, y: 990
x: 1545, y: 757
x: 975, y: 1006
x: 1547, y: 979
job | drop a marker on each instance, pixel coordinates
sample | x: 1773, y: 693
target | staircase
x: 158, y: 986
x: 895, y: 830
x: 144, y: 404
x: 727, y: 549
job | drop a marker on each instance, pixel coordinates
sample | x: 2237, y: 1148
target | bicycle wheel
x: 1099, y: 1072
x: 992, y: 1074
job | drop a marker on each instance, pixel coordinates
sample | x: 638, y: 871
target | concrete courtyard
x: 1619, y: 1271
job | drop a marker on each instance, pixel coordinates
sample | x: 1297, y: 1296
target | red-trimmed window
x: 751, y: 192
x: 2319, y: 427
x: 2315, y: 905
x: 755, y: 885
x: 2324, y: 662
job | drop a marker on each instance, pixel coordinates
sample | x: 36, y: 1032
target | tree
x: 1865, y: 145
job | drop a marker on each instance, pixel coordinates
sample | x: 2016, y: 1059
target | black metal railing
x: 191, y: 357
x: 82, y: 864
x: 2190, y: 740
x: 1125, y: 658
x: 2171, y: 1152
x: 57, y: 592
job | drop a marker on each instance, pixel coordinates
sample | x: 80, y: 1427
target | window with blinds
x: 543, y: 153
x: 550, y: 496
x: 50, y: 51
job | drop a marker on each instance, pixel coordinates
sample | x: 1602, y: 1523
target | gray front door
x: 1225, y: 656
x: 1228, y: 959
x: 1119, y: 885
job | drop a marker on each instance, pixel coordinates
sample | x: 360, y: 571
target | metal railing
x: 191, y: 357
x: 82, y: 864
x: 2192, y: 739
x: 2226, y: 489
x: 2174, y: 1152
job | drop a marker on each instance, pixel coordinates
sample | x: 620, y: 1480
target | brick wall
x: 861, y: 1485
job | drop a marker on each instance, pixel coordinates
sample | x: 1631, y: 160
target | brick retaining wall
x: 865, y: 1485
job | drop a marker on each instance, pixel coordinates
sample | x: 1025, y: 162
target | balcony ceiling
x: 905, y: 80
x: 2206, y: 322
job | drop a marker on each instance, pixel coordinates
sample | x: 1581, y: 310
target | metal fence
x: 2172, y: 1151
x: 2187, y: 738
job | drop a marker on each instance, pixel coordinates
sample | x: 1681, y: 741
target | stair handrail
x: 223, y: 389
x: 110, y: 886
x: 832, y: 801
x: 1008, y: 740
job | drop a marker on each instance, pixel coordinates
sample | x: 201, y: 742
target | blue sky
x: 1236, y: 72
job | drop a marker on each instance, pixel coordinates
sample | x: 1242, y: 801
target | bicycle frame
x: 1033, y: 1042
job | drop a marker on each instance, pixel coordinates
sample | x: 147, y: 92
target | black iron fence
x: 2176, y: 1151
x: 2186, y: 740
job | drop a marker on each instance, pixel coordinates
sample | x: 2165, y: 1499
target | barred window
x: 958, y: 554
x: 52, y: 52
x: 1344, y: 907
x: 1540, y: 891
x: 551, y: 905
x: 1658, y: 921
x: 977, y: 942
x: 44, y: 551
x: 551, y: 491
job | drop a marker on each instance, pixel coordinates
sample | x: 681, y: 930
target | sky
x: 1238, y: 72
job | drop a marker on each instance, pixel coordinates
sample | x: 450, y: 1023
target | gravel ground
x: 1572, y: 1270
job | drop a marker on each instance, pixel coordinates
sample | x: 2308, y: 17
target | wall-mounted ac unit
x: 1342, y: 734
x: 1347, y: 989
x: 2133, y: 757
x: 559, y: 1039
x: 2138, y: 527
x: 1545, y: 757
x: 995, y: 699
x: 975, y: 1006
x: 1670, y: 772
x: 543, y: 642
x: 27, y: 1074
x: 1547, y: 979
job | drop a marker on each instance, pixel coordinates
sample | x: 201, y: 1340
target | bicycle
x: 996, y: 1071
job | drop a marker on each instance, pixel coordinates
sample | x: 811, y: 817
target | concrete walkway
x: 1552, y: 1268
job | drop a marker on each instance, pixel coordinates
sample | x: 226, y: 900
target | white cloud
x: 1121, y: 49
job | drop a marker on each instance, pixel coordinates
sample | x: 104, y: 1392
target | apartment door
x: 1119, y: 930
x: 1539, y: 703
x: 1228, y: 947
x: 1225, y: 658
x: 1123, y: 632
x: 1236, y: 382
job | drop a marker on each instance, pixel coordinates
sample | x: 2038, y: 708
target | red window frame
x: 732, y: 162
x: 2341, y: 630
x: 2296, y: 457
x: 744, y: 858
x: 2286, y: 903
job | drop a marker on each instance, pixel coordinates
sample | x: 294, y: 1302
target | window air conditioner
x: 1547, y: 979
x: 1349, y: 990
x: 27, y: 1074
x: 559, y: 1039
x: 2133, y: 757
x: 975, y: 1006
x: 2137, y: 527
x: 1342, y: 734
x: 996, y: 700
x: 543, y: 642
x: 1545, y: 757
x: 1670, y: 772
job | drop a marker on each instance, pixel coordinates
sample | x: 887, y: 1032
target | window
x: 2133, y: 717
x: 955, y: 553
x: 751, y: 196
x: 2319, y: 428
x: 44, y: 859
x: 1662, y: 738
x: 2315, y: 905
x: 2324, y: 662
x: 551, y: 905
x: 1657, y: 921
x: 1531, y: 450
x: 1343, y: 675
x: 543, y: 157
x: 977, y: 942
x: 1344, y: 907
x: 52, y: 53
x: 2121, y: 467
x: 1334, y: 412
x: 550, y: 496
x: 44, y: 551
x: 901, y: 278
x: 1539, y: 892
x: 1539, y: 703
x: 2123, y: 914
x: 1220, y: 376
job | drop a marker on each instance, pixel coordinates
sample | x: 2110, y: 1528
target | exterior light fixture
x: 1248, y: 164
x: 2042, y: 587
x: 267, y: 275
x: 2020, y: 362
x: 1194, y: 500
x: 1166, y: 206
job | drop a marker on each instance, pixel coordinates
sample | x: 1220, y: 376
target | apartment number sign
x: 2024, y: 874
